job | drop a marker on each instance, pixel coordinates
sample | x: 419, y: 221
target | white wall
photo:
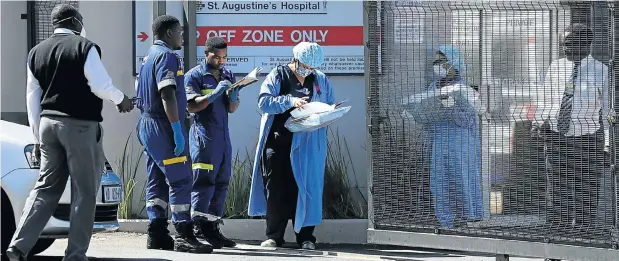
x: 108, y: 23
x: 14, y: 52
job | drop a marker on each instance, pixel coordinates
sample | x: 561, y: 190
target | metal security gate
x: 39, y: 20
x: 494, y: 169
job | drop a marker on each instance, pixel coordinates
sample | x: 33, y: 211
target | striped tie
x: 565, y: 113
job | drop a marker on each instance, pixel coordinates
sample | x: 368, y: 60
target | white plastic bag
x: 314, y: 120
x: 311, y: 108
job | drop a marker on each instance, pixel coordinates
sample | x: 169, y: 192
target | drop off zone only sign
x: 262, y: 33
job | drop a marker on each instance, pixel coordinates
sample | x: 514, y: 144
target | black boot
x: 159, y: 235
x: 226, y: 242
x: 210, y: 231
x: 186, y: 241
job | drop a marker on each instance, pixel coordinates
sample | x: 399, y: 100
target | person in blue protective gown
x: 455, y: 169
x: 288, y: 173
x: 160, y: 130
x: 210, y: 101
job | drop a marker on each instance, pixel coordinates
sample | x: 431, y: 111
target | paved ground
x: 130, y: 247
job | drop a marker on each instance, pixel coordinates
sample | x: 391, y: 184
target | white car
x: 19, y: 175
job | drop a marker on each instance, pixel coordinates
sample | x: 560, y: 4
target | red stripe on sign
x: 283, y: 35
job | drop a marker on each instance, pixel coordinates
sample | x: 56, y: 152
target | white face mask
x: 439, y: 71
x: 81, y: 33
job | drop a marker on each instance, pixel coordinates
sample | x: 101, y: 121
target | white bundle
x: 314, y: 115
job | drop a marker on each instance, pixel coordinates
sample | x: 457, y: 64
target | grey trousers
x: 69, y: 147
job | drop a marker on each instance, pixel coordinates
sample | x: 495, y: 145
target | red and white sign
x: 263, y: 35
x: 284, y: 35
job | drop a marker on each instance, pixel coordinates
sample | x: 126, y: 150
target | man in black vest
x: 66, y: 86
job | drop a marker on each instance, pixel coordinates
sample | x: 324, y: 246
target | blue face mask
x: 302, y: 71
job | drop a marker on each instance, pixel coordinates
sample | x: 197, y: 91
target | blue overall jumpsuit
x: 209, y: 142
x: 169, y: 176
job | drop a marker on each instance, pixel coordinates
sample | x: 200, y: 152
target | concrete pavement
x: 131, y: 247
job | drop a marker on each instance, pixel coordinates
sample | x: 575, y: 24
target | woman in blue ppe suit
x: 289, y: 167
x: 455, y: 170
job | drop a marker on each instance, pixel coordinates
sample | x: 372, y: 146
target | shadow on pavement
x: 286, y: 251
x: 265, y: 254
x: 342, y: 250
x: 391, y: 251
x: 59, y: 258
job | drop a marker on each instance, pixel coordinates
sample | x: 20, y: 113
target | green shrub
x: 127, y: 169
x: 338, y: 200
x: 237, y: 201
x: 338, y: 196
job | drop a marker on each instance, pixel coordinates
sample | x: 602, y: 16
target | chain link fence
x: 493, y: 119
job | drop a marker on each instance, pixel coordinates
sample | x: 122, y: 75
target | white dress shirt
x: 590, y: 95
x: 99, y: 81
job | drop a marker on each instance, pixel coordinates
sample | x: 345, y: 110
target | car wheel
x: 41, y: 245
x: 8, y: 224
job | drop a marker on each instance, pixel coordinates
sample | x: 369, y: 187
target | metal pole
x: 614, y: 133
x: 190, y: 35
x: 368, y: 14
x: 159, y: 8
x: 30, y: 25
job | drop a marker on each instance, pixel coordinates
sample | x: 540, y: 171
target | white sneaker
x: 308, y: 245
x: 269, y: 243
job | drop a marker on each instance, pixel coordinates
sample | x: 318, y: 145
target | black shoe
x: 15, y: 254
x: 218, y: 236
x: 186, y: 241
x: 203, y: 229
x: 159, y: 235
x: 210, y: 231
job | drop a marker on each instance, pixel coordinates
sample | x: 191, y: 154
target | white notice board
x: 262, y: 33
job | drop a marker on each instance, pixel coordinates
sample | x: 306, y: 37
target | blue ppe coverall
x: 308, y: 151
x: 209, y: 143
x: 169, y: 176
x: 455, y: 169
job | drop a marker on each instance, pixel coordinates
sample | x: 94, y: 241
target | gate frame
x: 500, y: 247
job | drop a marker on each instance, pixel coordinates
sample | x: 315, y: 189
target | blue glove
x: 233, y: 95
x: 222, y: 87
x: 179, y: 138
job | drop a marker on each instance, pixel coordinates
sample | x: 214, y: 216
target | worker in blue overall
x: 160, y: 129
x: 209, y: 101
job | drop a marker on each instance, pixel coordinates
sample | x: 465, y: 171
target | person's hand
x: 233, y: 95
x: 536, y: 130
x: 36, y: 153
x: 179, y: 138
x: 448, y: 101
x: 125, y: 106
x: 298, y: 102
x: 222, y: 87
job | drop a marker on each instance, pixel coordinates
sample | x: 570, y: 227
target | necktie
x: 565, y: 112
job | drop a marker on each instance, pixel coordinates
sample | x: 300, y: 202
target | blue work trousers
x: 211, y: 155
x: 169, y: 176
x: 455, y: 174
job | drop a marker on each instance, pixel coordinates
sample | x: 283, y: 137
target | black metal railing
x: 481, y: 126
